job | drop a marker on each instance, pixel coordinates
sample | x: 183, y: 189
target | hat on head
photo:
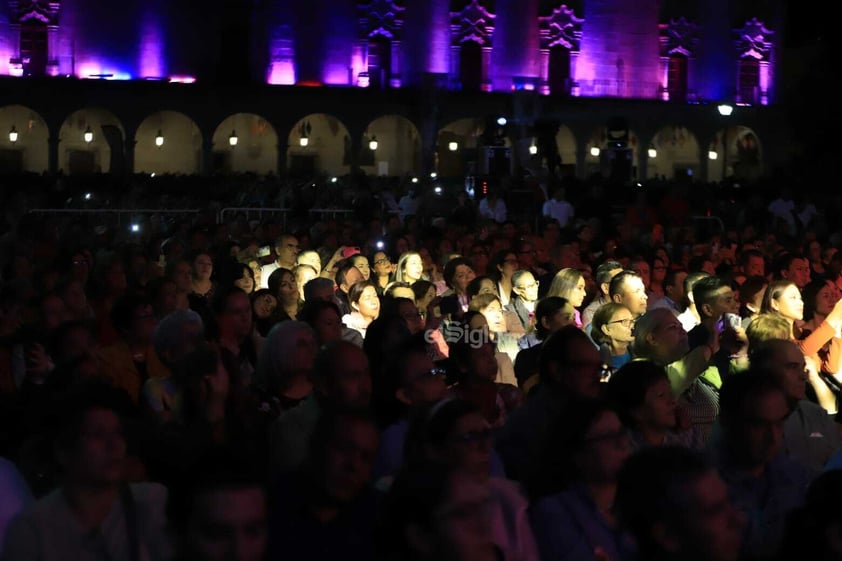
x: 350, y: 252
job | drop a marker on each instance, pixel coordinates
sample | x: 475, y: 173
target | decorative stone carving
x: 562, y: 27
x: 40, y: 10
x: 753, y: 40
x: 473, y: 23
x: 381, y: 17
x: 679, y: 37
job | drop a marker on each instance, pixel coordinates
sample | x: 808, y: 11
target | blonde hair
x: 564, y: 282
x: 770, y: 325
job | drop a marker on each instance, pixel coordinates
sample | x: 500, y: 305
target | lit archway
x: 610, y: 156
x: 91, y: 140
x: 676, y: 154
x: 245, y: 143
x: 566, y: 143
x: 24, y: 139
x: 398, y: 148
x: 319, y: 144
x: 168, y: 142
x: 456, y: 146
x: 735, y: 151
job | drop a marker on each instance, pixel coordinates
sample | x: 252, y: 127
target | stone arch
x: 30, y: 150
x: 738, y: 151
x: 465, y: 133
x: 328, y: 148
x: 677, y: 153
x: 256, y: 148
x: 91, y: 140
x: 398, y: 147
x: 181, y: 151
x: 565, y: 141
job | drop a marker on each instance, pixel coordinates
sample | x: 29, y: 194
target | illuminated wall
x: 426, y: 22
x: 516, y: 45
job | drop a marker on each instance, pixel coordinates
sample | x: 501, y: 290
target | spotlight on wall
x: 595, y: 151
x: 372, y: 144
x: 13, y: 135
x: 502, y: 121
x: 533, y: 148
x: 88, y: 135
x: 303, y: 141
x: 159, y: 139
x: 652, y: 152
x: 725, y: 110
x: 453, y: 146
x: 233, y: 140
x: 712, y: 155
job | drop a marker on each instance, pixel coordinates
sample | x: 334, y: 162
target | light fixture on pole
x: 233, y: 140
x: 453, y: 146
x: 159, y: 139
x: 725, y: 110
x: 88, y: 136
x: 595, y: 151
x: 533, y: 148
x: 372, y: 144
x: 304, y: 134
x: 712, y: 155
x: 652, y: 152
x: 13, y: 135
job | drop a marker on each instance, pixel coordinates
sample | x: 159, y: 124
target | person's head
x: 341, y: 375
x: 784, y: 298
x: 570, y: 364
x: 202, y: 264
x: 640, y: 393
x: 347, y: 275
x: 690, y: 281
x: 164, y: 295
x: 677, y: 507
x: 612, y: 323
x: 203, y: 379
x: 288, y: 354
x: 220, y: 511
x: 489, y: 306
x: 481, y: 285
x: 604, y: 273
x: 364, y: 300
x: 286, y: 250
x: 767, y: 326
x: 303, y: 274
x: 451, y: 431
x: 551, y: 314
x: 819, y: 298
x: 503, y: 264
x: 753, y: 408
x: 524, y: 285
x: 399, y: 289
x: 232, y: 312
x: 458, y: 273
x: 343, y: 448
x: 751, y: 293
x: 659, y: 337
x: 381, y: 264
x: 360, y: 261
x: 311, y: 258
x: 713, y: 297
x: 795, y: 268
x: 177, y: 334
x: 674, y: 286
x: 472, y: 351
x: 243, y: 278
x: 319, y: 288
x: 282, y: 284
x: 417, y: 380
x: 425, y: 293
x: 642, y: 267
x: 410, y: 267
x: 570, y: 284
x: 133, y: 317
x: 324, y: 317
x: 783, y: 361
x: 525, y: 253
x: 753, y: 263
x: 264, y: 304
x: 627, y: 288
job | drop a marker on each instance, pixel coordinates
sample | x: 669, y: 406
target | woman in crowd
x: 325, y: 319
x: 551, y: 314
x: 282, y: 284
x: 612, y: 330
x: 458, y: 274
x: 381, y: 270
x: 505, y: 342
x: 569, y: 283
x: 264, y: 307
x: 501, y: 269
x: 410, y: 268
x: 365, y: 306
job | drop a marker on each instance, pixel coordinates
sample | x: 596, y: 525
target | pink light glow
x: 151, y: 50
x: 282, y: 73
x: 182, y: 79
x: 99, y: 70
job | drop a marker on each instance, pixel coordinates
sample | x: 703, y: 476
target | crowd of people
x: 581, y: 385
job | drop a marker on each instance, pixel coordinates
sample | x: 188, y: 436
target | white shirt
x: 561, y: 211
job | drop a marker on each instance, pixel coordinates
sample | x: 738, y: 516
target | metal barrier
x: 113, y: 212
x: 254, y: 212
x: 323, y: 213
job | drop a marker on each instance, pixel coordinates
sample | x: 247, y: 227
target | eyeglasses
x: 383, y: 261
x: 536, y: 284
x: 627, y: 322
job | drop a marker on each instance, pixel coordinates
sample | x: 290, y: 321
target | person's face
x: 606, y: 447
x: 723, y: 303
x: 509, y: 265
x: 425, y: 300
x: 670, y: 339
x: 469, y: 446
x: 462, y: 277
x: 287, y: 250
x: 565, y: 316
x: 790, y: 371
x: 361, y: 263
x: 401, y: 245
x: 633, y: 296
x: 309, y: 258
x: 642, y: 268
x: 487, y: 287
x: 203, y: 266
x: 412, y: 317
x: 100, y: 453
x: 799, y: 272
x: 183, y: 277
x: 659, y: 270
x: 789, y: 304
x: 577, y: 295
x: 413, y: 268
x: 228, y: 524
x: 369, y: 303
x: 677, y: 288
x: 238, y: 315
x: 658, y: 408
x: 302, y: 276
x: 463, y: 522
x: 582, y: 373
x: 479, y: 257
x: 328, y: 326
x: 288, y: 289
x: 245, y: 283
x: 620, y: 327
x: 80, y: 267
x: 526, y: 256
x: 759, y: 433
x: 826, y: 298
x: 352, y: 277
x: 494, y: 316
x: 264, y: 305
x: 527, y: 287
x: 755, y: 266
x: 423, y: 383
x: 256, y: 271
x: 349, y: 457
x: 382, y: 264
x: 709, y: 528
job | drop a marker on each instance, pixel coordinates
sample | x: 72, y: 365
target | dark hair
x: 312, y: 285
x: 627, y: 387
x: 603, y: 271
x: 809, y: 294
x: 342, y: 270
x: 312, y: 309
x: 450, y: 269
x: 773, y: 292
x: 601, y: 317
x: 737, y: 391
x: 475, y: 285
x: 274, y: 280
x: 69, y: 412
x: 420, y: 288
x: 692, y: 278
x: 547, y: 308
x: 431, y: 425
x: 618, y: 281
x: 705, y: 289
x: 497, y: 261
x: 556, y: 350
x: 356, y: 290
x: 123, y: 309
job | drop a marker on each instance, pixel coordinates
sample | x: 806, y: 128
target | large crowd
x: 646, y: 375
